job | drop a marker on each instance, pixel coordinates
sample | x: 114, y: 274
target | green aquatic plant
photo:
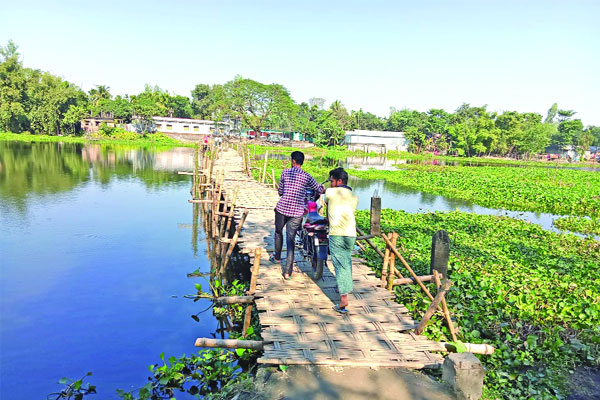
x: 587, y: 226
x: 73, y: 389
x: 557, y: 191
x: 532, y: 293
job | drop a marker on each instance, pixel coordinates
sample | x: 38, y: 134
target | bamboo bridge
x: 298, y: 323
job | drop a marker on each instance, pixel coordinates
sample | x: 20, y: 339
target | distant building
x: 92, y: 123
x: 378, y: 141
x: 194, y: 126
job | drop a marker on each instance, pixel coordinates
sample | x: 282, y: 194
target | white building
x: 186, y: 125
x: 378, y: 141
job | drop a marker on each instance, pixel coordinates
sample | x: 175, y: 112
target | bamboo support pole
x: 361, y: 246
x: 234, y: 239
x: 436, y: 276
x: 253, y: 279
x: 407, y: 281
x: 233, y: 300
x: 433, y: 306
x: 386, y: 261
x: 361, y: 233
x: 415, y: 277
x: 392, y: 263
x: 231, y: 213
x: 264, y: 174
x: 230, y: 343
x: 273, y: 175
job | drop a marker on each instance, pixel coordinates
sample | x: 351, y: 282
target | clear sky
x: 511, y: 55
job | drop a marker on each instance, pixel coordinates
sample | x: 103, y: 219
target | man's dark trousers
x: 291, y: 227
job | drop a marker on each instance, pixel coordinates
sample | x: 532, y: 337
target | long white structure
x: 378, y: 141
x: 186, y: 125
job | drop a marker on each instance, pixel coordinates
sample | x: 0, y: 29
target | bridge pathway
x: 297, y: 316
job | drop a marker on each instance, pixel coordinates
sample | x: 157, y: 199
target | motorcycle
x: 313, y: 239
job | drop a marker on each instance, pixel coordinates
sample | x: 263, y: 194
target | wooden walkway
x: 297, y: 318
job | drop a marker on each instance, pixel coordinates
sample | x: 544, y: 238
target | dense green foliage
x: 589, y: 226
x: 558, y: 191
x: 532, y: 293
x: 38, y: 102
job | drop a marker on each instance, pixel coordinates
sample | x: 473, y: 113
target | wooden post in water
x: 253, y: 278
x: 375, y: 215
x: 234, y: 240
x: 440, y: 252
x: 225, y: 234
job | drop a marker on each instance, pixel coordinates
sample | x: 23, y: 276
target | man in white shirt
x: 341, y: 204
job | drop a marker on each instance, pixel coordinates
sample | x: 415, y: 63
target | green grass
x: 148, y: 140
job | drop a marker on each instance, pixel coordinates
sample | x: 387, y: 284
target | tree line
x: 39, y: 102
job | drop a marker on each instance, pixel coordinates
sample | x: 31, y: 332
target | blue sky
x: 510, y: 55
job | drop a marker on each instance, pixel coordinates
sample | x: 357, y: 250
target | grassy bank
x: 148, y: 140
x: 533, y: 294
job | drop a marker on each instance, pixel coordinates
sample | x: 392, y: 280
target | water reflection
x: 49, y: 168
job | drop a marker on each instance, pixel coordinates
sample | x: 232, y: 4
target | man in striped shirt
x: 290, y: 208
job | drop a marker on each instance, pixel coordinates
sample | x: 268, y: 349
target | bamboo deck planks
x: 297, y: 316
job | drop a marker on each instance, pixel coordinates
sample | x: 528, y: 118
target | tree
x: 316, y: 101
x: 568, y: 132
x: 254, y: 102
x: 13, y: 85
x: 412, y: 123
x: 202, y: 101
x: 9, y: 51
x: 98, y: 93
x: 552, y: 111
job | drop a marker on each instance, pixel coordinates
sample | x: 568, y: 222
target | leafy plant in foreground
x: 75, y: 390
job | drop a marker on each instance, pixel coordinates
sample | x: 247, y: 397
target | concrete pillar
x: 464, y: 373
x: 440, y: 251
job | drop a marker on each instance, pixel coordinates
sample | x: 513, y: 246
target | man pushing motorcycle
x: 341, y: 204
x: 290, y: 208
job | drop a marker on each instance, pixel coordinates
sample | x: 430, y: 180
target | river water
x: 95, y: 242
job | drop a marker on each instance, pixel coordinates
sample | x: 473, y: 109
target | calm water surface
x: 95, y: 242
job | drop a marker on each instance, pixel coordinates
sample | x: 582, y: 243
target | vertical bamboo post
x: 265, y: 167
x: 438, y: 283
x: 386, y: 261
x: 273, y: 175
x: 392, y: 262
x: 231, y: 213
x: 249, y: 163
x: 234, y: 240
x: 253, y: 279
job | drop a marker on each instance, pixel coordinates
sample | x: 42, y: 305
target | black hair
x: 339, y: 173
x: 298, y: 156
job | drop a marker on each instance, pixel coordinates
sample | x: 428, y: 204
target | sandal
x: 273, y: 259
x: 339, y: 309
x: 287, y: 277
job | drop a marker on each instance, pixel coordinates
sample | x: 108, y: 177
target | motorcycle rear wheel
x: 317, y: 268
